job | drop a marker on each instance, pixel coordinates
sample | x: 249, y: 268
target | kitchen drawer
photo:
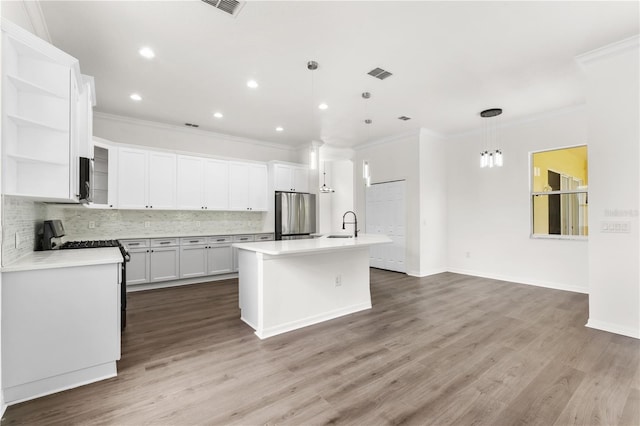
x: 264, y: 237
x: 243, y: 238
x: 135, y: 244
x: 190, y: 241
x: 220, y: 239
x: 164, y: 242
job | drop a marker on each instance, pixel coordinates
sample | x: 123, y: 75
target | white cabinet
x: 104, y: 178
x: 240, y: 239
x: 247, y: 186
x: 41, y: 89
x: 137, y: 268
x: 132, y: 178
x: 202, y: 183
x: 146, y: 179
x: 219, y: 256
x: 60, y: 326
x: 200, y: 256
x: 193, y: 257
x: 290, y: 178
x: 164, y: 261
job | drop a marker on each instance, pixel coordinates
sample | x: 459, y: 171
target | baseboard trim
x: 419, y: 274
x: 74, y: 379
x: 305, y: 322
x: 613, y: 328
x: 179, y: 282
x: 519, y: 280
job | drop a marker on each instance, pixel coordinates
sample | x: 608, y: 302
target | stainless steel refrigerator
x: 295, y: 215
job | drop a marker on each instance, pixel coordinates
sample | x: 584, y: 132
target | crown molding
x: 518, y: 122
x: 609, y: 50
x: 35, y: 15
x: 175, y: 128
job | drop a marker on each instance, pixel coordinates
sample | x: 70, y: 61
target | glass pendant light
x: 490, y: 159
x: 324, y: 188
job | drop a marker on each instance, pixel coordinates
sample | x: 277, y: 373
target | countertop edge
x: 56, y: 259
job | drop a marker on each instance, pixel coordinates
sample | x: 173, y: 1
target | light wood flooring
x: 446, y: 349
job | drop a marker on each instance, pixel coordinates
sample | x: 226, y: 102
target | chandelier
x: 488, y: 156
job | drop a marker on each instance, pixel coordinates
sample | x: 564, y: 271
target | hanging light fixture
x: 488, y: 157
x: 324, y: 188
x: 366, y: 172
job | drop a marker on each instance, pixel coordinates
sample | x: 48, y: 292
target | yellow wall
x: 569, y: 161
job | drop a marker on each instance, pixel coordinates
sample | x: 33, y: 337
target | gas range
x: 90, y: 244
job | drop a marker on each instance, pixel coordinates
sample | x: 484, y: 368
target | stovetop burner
x: 90, y: 244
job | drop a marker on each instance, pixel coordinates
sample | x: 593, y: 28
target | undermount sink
x: 340, y: 236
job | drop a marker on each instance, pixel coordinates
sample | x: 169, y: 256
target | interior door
x: 386, y: 214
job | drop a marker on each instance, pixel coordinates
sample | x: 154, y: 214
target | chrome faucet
x: 355, y: 223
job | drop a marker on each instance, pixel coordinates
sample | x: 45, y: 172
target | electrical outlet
x: 467, y: 254
x: 17, y: 240
x: 197, y: 224
x: 147, y: 224
x: 92, y: 224
x: 338, y: 280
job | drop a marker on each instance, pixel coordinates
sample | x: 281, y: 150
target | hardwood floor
x: 446, y: 349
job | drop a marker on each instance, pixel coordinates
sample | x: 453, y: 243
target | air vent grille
x: 191, y: 125
x: 379, y: 73
x: 232, y: 7
x: 404, y: 118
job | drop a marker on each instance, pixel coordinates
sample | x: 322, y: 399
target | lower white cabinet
x: 164, y: 264
x: 219, y: 256
x: 60, y: 328
x: 138, y: 267
x: 157, y: 259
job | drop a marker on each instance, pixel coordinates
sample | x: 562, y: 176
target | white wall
x: 433, y: 203
x: 489, y: 212
x: 394, y: 159
x: 614, y: 179
x: 165, y: 136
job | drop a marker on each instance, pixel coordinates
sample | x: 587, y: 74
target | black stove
x: 90, y: 244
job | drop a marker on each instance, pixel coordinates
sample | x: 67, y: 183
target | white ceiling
x: 449, y: 60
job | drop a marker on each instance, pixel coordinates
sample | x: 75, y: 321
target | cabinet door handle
x: 151, y: 251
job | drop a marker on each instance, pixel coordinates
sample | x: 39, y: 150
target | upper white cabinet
x: 146, y: 179
x: 203, y: 183
x: 43, y: 112
x: 104, y: 178
x: 288, y: 177
x: 247, y: 186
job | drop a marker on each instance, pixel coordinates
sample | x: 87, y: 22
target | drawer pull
x: 134, y: 244
x: 194, y: 241
x: 220, y: 239
x: 165, y: 242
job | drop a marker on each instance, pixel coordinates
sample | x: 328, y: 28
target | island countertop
x: 311, y: 245
x: 50, y: 259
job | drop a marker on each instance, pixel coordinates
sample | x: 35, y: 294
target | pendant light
x: 366, y: 171
x: 490, y: 158
x: 324, y: 188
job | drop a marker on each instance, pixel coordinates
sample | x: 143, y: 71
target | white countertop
x: 313, y: 244
x: 64, y: 259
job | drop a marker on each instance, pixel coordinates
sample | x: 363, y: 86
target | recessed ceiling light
x: 323, y: 106
x: 135, y: 97
x: 279, y: 129
x: 218, y: 115
x: 252, y: 84
x: 146, y: 52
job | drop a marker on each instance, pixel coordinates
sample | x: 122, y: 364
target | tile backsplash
x: 25, y: 218
x: 110, y: 224
x: 22, y: 217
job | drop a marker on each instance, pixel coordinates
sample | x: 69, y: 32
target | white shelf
x: 27, y: 86
x: 22, y: 121
x: 25, y: 159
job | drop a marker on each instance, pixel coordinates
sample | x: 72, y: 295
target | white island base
x: 287, y: 285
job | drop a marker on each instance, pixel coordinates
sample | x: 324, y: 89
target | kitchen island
x: 286, y: 285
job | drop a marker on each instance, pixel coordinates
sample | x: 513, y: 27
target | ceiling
x: 449, y: 60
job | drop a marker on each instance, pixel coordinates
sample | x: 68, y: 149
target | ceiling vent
x: 379, y: 73
x: 404, y: 118
x: 191, y: 125
x: 232, y: 7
